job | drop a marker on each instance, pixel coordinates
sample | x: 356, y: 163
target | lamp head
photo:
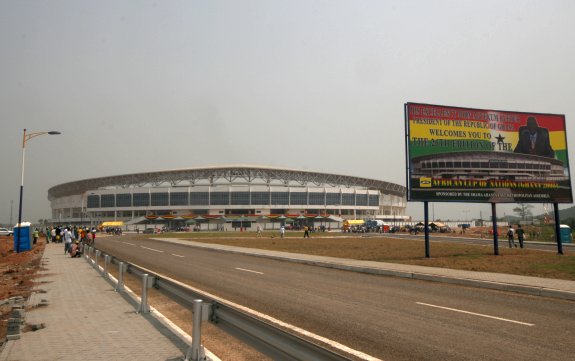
x: 54, y: 132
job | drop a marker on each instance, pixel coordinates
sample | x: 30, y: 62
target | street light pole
x: 25, y: 138
x: 11, y: 210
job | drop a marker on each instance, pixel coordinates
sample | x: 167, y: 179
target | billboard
x: 475, y: 155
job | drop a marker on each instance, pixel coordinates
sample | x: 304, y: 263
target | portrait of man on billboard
x: 534, y: 140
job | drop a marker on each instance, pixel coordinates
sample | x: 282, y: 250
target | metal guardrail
x: 267, y: 338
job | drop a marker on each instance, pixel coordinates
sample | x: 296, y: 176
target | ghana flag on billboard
x: 476, y: 155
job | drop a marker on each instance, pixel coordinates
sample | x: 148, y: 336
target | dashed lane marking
x: 476, y: 314
x: 248, y: 270
x: 152, y: 249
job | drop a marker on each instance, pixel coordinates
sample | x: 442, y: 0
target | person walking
x: 305, y: 232
x: 520, y: 235
x: 282, y: 232
x: 93, y: 232
x: 259, y: 231
x: 510, y: 235
x: 59, y: 234
x: 67, y: 240
x: 36, y: 234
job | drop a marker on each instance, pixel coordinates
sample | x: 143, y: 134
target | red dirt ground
x: 17, y: 272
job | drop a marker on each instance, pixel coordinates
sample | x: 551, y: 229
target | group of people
x: 113, y: 230
x: 511, y: 236
x: 84, y: 234
x: 73, y: 238
x: 306, y: 231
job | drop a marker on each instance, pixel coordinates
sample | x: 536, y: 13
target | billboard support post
x: 558, y: 228
x: 426, y: 227
x: 495, y: 233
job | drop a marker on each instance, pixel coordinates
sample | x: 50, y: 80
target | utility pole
x: 11, y: 209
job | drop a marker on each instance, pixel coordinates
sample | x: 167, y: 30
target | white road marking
x: 177, y: 255
x: 151, y: 249
x: 131, y: 244
x: 476, y: 314
x: 247, y: 270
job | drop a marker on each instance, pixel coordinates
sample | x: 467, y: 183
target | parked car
x: 148, y: 231
x: 5, y: 232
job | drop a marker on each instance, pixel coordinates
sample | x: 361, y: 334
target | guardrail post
x: 96, y: 259
x: 120, y: 285
x: 196, y: 351
x: 144, y: 308
x: 106, y: 262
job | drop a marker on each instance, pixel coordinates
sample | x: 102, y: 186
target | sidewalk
x: 537, y: 286
x: 81, y: 317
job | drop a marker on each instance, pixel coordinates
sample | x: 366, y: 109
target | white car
x: 5, y: 232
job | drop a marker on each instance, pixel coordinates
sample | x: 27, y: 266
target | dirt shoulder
x: 17, y: 273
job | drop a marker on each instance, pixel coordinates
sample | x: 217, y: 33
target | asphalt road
x: 385, y: 317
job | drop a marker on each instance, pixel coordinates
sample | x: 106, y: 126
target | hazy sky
x: 138, y: 86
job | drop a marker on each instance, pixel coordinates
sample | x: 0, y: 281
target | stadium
x: 489, y: 165
x: 225, y: 198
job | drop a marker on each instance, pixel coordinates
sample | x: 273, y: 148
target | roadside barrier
x: 267, y: 338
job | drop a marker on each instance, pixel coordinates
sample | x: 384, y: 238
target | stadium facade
x: 227, y: 196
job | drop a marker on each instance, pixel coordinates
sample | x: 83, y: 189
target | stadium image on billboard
x: 474, y: 155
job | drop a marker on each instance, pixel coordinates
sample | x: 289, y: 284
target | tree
x: 570, y: 222
x: 523, y: 210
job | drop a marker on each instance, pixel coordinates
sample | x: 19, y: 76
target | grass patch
x: 559, y: 266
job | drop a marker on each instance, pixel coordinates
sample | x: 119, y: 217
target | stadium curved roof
x: 223, y: 175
